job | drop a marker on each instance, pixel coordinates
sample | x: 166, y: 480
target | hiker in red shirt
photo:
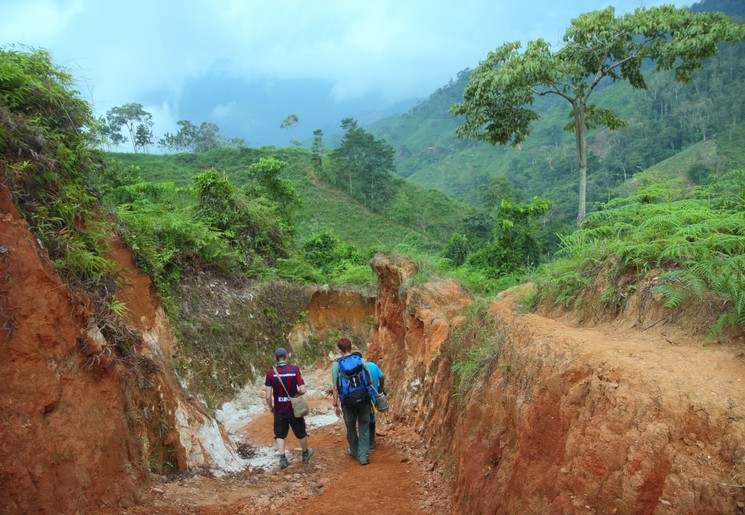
x: 278, y: 399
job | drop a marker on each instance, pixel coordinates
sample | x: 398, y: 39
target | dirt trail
x: 642, y: 368
x: 398, y: 479
x: 674, y: 363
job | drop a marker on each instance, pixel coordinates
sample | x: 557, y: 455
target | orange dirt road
x: 399, y: 479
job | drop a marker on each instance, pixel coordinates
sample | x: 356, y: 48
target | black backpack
x: 354, y: 381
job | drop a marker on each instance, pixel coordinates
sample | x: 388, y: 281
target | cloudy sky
x: 231, y: 61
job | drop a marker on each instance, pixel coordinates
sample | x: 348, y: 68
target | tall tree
x: 366, y: 162
x: 317, y: 148
x: 598, y: 45
x: 129, y: 116
x: 144, y: 135
x: 191, y: 138
x: 208, y: 137
x: 183, y: 139
x: 514, y: 245
x: 268, y: 183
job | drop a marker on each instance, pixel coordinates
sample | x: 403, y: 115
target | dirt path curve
x: 398, y: 479
x: 665, y: 361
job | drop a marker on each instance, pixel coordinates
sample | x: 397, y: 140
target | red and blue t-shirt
x: 291, y: 378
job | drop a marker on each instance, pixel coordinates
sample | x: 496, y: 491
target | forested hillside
x: 420, y: 218
x: 663, y: 120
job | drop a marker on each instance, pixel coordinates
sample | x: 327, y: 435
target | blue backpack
x: 354, y: 381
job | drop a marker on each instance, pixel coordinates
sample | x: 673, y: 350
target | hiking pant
x: 372, y: 430
x: 357, y: 421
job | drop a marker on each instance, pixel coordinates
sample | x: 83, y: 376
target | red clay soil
x: 399, y: 479
x: 135, y: 288
x: 620, y: 417
x: 620, y: 420
x: 62, y: 424
x: 615, y: 418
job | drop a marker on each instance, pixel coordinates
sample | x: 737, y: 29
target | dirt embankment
x: 333, y: 311
x: 608, y: 419
x: 82, y: 423
x: 62, y: 424
x: 567, y: 419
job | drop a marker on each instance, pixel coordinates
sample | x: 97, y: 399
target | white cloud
x: 222, y: 111
x: 123, y: 51
x: 35, y: 22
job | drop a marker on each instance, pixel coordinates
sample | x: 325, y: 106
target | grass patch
x: 475, y: 347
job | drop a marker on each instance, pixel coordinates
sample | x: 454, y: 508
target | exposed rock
x: 334, y: 310
x: 409, y: 341
x: 81, y: 426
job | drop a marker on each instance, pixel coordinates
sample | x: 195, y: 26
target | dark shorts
x: 283, y: 422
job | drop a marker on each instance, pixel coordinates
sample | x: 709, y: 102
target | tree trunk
x: 131, y: 129
x: 580, y: 132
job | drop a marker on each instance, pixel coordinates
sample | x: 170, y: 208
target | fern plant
x: 696, y: 238
x: 47, y: 147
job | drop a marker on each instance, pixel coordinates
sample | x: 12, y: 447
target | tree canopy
x: 597, y: 47
x: 268, y: 183
x: 290, y: 121
x: 365, y: 163
x: 192, y: 138
x: 137, y: 121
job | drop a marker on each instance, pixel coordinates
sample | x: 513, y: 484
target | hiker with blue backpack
x: 378, y: 382
x: 352, y: 397
x: 283, y: 382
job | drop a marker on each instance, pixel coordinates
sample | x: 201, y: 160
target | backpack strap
x: 279, y: 378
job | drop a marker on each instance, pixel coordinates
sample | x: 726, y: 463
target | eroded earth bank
x: 633, y: 415
x: 628, y: 415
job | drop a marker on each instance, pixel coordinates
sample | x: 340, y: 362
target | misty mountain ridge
x: 254, y: 109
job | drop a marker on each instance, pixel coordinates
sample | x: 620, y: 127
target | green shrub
x: 46, y: 145
x: 354, y: 274
x: 457, y: 249
x: 698, y: 243
x: 296, y: 269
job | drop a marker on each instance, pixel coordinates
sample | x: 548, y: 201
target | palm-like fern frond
x: 698, y: 242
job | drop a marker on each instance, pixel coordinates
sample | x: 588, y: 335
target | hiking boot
x: 372, y: 447
x: 283, y: 463
x: 365, y: 462
x: 349, y: 453
x: 307, y: 454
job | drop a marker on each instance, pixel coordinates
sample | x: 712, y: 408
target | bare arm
x: 302, y: 389
x: 268, y: 396
x: 335, y: 397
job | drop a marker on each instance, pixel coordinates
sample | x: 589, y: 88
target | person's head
x: 344, y: 345
x: 280, y: 354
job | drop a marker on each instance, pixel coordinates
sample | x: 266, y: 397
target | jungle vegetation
x: 317, y: 215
